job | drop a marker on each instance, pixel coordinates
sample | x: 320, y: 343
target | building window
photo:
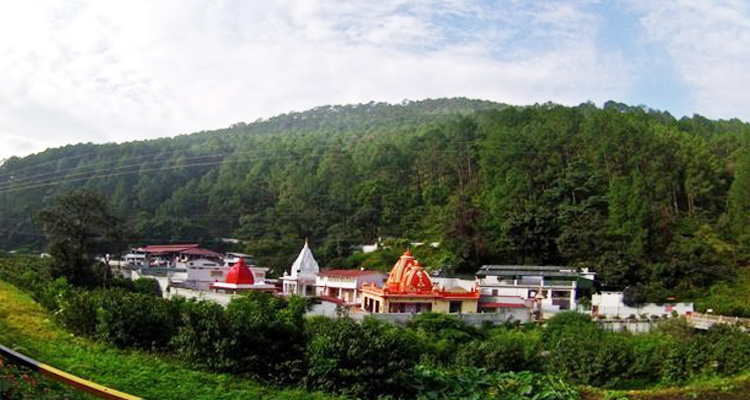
x: 455, y: 307
x: 494, y: 292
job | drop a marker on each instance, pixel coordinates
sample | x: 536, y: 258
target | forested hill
x: 634, y: 193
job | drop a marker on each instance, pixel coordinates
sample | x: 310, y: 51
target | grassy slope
x: 25, y: 326
x: 730, y: 388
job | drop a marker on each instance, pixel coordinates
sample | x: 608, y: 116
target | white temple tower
x: 301, y: 279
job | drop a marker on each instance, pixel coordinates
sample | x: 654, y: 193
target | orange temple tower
x: 409, y: 289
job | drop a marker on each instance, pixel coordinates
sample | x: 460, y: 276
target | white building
x: 611, y: 304
x: 344, y: 284
x: 558, y: 285
x: 301, y: 279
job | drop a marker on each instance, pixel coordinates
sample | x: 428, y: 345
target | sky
x: 114, y: 71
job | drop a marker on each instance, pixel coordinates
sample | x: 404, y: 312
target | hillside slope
x: 651, y: 202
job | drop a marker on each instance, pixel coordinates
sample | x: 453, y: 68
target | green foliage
x: 638, y: 195
x: 593, y: 360
x: 19, y: 383
x: 202, y: 335
x: 505, y: 350
x: 136, y: 320
x: 78, y: 310
x: 566, y: 323
x: 80, y: 226
x: 444, y: 335
x: 147, y: 286
x: 265, y: 337
x: 26, y: 327
x: 727, y: 298
x: 474, y: 383
x: 363, y: 360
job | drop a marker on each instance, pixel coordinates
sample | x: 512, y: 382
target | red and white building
x: 186, y: 265
x: 169, y: 255
x: 240, y: 279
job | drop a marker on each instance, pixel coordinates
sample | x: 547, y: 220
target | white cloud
x: 114, y: 71
x: 708, y: 42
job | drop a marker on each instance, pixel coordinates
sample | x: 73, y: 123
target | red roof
x: 167, y: 248
x: 347, y: 272
x: 408, y: 276
x: 202, y: 252
x: 240, y: 274
x: 416, y: 279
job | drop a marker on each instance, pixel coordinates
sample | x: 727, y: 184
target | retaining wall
x: 510, y: 315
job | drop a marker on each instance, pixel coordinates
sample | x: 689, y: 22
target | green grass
x: 726, y: 388
x: 27, y: 328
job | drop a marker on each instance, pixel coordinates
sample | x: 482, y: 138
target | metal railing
x: 709, y: 319
x: 77, y: 383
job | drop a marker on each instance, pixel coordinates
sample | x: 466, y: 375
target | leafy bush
x: 51, y: 294
x: 444, y: 335
x: 566, y: 322
x: 136, y: 320
x: 477, y: 383
x: 598, y: 361
x: 147, y: 286
x: 202, y: 335
x: 77, y: 310
x: 266, y: 336
x: 648, y: 352
x: 584, y: 353
x: 365, y: 360
x: 505, y: 350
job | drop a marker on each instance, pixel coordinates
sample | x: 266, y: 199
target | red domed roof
x: 398, y: 271
x: 416, y: 279
x: 408, y: 276
x: 240, y: 274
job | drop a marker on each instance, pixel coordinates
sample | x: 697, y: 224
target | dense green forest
x: 654, y: 204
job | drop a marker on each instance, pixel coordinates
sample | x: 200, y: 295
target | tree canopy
x: 633, y: 193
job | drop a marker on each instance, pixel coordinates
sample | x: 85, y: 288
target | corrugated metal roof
x: 348, y: 272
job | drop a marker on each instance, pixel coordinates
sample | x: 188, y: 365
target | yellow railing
x: 79, y: 384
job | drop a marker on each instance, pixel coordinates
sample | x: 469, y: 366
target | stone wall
x: 221, y: 298
x: 478, y: 319
x: 632, y: 326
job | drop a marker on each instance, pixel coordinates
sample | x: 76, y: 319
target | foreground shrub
x: 584, y: 353
x: 364, y: 360
x: 51, y: 295
x: 648, y: 355
x: 477, y: 383
x: 444, y: 335
x: 505, y: 350
x: 136, y: 320
x: 147, y: 286
x: 77, y: 309
x: 266, y: 337
x: 568, y: 322
x: 202, y: 335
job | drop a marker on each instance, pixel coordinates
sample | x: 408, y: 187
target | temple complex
x: 301, y: 279
x: 409, y: 289
x: 240, y: 279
